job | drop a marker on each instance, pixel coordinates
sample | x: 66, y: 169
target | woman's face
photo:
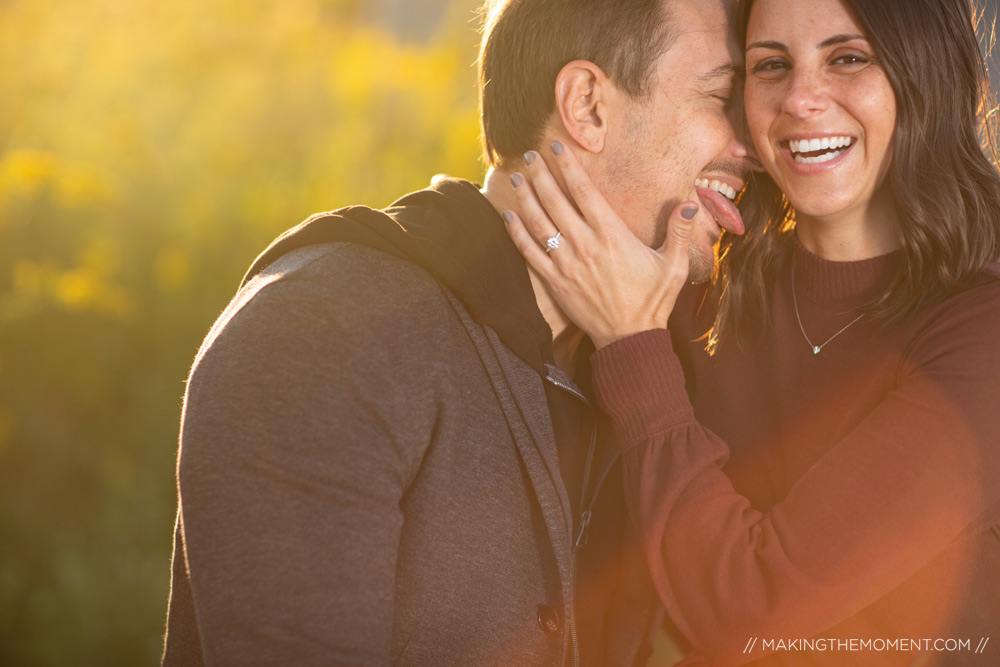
x: 819, y: 106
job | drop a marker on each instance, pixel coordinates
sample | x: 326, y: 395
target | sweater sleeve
x: 307, y: 414
x: 881, y: 504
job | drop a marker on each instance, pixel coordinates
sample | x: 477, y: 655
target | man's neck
x: 565, y: 335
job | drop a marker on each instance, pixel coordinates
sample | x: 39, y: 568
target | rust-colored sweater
x: 849, y: 495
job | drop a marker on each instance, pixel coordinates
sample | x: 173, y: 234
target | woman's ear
x: 582, y: 91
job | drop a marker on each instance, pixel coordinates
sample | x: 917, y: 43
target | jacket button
x: 548, y: 619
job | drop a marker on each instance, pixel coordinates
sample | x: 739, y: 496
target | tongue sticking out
x: 724, y: 211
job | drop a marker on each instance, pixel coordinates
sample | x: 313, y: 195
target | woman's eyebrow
x: 767, y: 44
x: 838, y: 39
x: 829, y: 41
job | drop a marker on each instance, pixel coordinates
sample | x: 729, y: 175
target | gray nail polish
x: 507, y: 217
x: 516, y: 180
x: 557, y: 148
x: 689, y: 212
x: 529, y: 157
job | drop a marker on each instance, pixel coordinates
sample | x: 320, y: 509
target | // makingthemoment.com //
x: 878, y: 645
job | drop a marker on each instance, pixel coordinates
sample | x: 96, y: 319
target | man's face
x: 679, y: 143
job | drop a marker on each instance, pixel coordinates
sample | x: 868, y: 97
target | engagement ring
x: 553, y: 242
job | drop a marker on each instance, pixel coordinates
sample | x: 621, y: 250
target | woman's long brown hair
x: 946, y: 189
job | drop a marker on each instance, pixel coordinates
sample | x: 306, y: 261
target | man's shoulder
x: 342, y: 269
x: 336, y: 279
x: 325, y: 301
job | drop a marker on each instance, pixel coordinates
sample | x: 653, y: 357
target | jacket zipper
x: 584, y: 522
x: 581, y: 539
x: 585, y: 514
x: 586, y: 511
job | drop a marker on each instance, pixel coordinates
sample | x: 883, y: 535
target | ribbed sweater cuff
x: 639, y: 382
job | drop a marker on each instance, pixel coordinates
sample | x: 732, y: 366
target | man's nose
x: 806, y: 95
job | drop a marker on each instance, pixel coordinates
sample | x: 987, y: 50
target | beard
x: 701, y: 264
x: 702, y: 253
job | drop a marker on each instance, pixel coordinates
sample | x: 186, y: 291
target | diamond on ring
x: 553, y: 242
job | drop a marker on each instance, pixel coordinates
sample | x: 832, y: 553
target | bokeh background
x: 148, y: 151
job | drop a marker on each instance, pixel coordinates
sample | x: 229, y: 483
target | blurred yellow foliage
x: 6, y: 425
x: 148, y: 151
x: 172, y: 268
x: 84, y: 288
x: 78, y: 289
x: 26, y: 173
x: 28, y: 278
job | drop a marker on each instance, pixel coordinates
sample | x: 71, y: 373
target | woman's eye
x: 851, y: 59
x: 770, y: 67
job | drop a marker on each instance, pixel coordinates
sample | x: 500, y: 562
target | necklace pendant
x: 798, y: 318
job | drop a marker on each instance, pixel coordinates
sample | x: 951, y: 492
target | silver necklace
x: 795, y: 302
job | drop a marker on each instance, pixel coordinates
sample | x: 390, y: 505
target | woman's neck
x: 867, y: 231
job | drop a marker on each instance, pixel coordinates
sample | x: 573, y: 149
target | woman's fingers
x: 533, y: 217
x: 525, y: 243
x: 559, y: 208
x: 611, y: 285
x: 599, y: 215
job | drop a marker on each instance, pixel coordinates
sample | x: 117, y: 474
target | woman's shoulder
x: 980, y: 297
x: 968, y: 320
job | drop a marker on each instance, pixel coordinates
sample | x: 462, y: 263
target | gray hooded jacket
x: 368, y: 469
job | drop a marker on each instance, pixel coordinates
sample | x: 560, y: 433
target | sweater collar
x: 842, y: 284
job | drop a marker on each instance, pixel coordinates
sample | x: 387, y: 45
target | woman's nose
x: 807, y: 94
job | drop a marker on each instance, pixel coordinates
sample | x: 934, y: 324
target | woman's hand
x: 604, y: 278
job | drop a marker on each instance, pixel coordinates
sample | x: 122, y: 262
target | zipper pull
x: 581, y: 538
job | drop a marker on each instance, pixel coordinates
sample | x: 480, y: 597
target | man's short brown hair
x: 526, y: 42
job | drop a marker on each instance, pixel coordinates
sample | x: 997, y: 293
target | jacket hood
x: 453, y: 232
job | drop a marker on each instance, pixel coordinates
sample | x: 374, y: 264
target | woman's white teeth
x: 835, y: 145
x: 726, y: 190
x: 811, y: 145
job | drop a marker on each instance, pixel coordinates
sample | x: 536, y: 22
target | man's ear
x: 582, y: 96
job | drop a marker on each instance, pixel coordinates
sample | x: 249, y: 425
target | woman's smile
x: 819, y: 151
